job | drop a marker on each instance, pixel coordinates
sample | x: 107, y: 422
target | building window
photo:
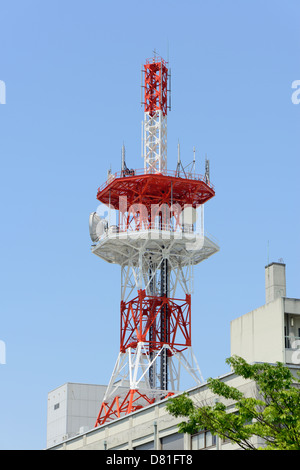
x: 147, y: 446
x: 56, y: 406
x: 203, y: 440
x: 172, y: 442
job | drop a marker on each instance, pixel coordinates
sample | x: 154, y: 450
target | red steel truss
x: 156, y: 79
x: 133, y: 401
x: 120, y: 406
x: 145, y: 188
x: 139, y: 197
x: 144, y: 313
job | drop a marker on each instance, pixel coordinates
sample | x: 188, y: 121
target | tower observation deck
x: 157, y: 238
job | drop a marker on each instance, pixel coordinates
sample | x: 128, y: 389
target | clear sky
x: 72, y: 75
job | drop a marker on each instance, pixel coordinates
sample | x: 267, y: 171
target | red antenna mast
x: 155, y: 86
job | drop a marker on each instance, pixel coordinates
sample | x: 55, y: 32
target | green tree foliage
x: 273, y: 414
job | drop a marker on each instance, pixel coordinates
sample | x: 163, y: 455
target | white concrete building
x: 71, y: 410
x: 268, y: 334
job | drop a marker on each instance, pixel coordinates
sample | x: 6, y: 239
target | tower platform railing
x: 142, y: 171
x: 185, y: 229
x: 113, y: 231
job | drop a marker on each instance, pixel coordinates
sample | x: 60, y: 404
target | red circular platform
x: 155, y: 188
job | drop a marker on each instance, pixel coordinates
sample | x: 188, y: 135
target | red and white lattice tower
x: 157, y: 240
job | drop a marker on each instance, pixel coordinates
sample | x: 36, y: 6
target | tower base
x: 129, y: 389
x: 132, y: 400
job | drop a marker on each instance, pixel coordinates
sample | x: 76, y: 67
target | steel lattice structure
x: 157, y: 247
x: 155, y: 118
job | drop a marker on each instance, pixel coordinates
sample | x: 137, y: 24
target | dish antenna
x: 96, y: 226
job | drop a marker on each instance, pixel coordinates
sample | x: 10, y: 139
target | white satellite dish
x: 96, y: 226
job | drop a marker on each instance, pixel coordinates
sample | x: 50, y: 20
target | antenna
x: 142, y: 85
x: 168, y: 51
x: 207, y: 170
x: 169, y: 77
x: 169, y: 90
x: 179, y: 164
x: 194, y: 161
x: 123, y: 158
x: 178, y: 160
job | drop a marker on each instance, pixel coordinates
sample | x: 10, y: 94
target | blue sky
x: 72, y: 75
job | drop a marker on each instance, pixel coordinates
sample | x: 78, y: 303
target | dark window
x: 172, y: 442
x: 56, y: 406
x: 147, y: 446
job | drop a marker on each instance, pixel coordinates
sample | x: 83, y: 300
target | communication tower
x: 157, y: 240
